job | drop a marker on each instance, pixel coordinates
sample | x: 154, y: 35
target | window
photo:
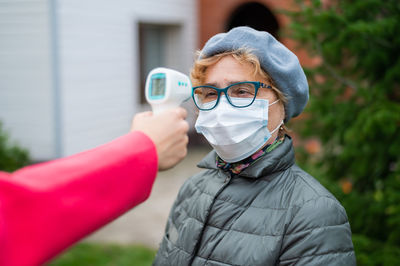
x: 159, y: 46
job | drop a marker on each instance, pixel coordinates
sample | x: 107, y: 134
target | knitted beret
x: 278, y: 61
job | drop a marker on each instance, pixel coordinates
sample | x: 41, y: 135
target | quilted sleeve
x: 318, y: 234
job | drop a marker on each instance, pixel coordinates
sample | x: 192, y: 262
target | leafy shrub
x: 12, y: 156
x: 354, y: 111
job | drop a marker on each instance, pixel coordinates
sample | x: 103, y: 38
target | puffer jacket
x: 273, y: 213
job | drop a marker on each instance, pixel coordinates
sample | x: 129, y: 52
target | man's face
x: 228, y: 70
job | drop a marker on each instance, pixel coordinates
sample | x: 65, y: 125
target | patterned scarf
x: 237, y: 167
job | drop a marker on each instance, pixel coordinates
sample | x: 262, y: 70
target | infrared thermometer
x: 166, y: 89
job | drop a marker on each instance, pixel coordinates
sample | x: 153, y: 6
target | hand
x: 168, y: 130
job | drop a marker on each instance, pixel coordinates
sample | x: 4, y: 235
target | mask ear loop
x: 273, y: 103
x: 280, y: 124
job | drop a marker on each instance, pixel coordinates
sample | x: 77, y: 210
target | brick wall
x: 214, y: 15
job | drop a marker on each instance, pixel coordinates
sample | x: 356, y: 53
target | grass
x: 105, y: 255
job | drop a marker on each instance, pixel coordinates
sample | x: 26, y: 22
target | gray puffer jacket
x: 273, y: 213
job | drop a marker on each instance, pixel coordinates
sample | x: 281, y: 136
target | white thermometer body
x: 166, y: 89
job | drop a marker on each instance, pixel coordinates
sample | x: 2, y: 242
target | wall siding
x: 26, y: 95
x: 99, y: 63
x: 69, y: 69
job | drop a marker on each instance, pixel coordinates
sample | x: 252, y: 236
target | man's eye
x: 211, y: 94
x: 243, y: 91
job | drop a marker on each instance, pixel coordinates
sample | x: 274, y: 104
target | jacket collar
x: 280, y: 159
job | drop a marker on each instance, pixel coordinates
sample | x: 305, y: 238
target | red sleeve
x: 47, y: 207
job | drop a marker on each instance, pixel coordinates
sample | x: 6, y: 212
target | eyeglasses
x: 241, y: 94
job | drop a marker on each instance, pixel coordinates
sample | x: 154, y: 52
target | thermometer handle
x: 159, y: 108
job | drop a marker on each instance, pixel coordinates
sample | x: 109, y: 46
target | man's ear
x: 282, y: 110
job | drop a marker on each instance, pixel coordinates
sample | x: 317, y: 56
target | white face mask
x: 236, y: 133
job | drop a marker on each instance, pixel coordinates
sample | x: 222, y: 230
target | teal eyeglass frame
x: 256, y: 84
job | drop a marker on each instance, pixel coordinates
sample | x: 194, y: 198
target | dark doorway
x: 254, y: 15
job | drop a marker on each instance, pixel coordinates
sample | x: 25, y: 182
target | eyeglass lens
x: 240, y: 95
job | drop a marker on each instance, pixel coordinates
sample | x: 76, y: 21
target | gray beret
x: 277, y: 60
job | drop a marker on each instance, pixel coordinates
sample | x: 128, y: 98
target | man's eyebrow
x: 216, y: 84
x: 211, y: 84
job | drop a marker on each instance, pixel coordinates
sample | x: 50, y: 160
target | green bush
x: 354, y: 110
x: 12, y: 156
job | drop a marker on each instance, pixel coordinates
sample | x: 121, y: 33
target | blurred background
x: 72, y: 75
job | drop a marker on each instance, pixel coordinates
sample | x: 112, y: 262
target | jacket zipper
x: 197, y: 247
x: 227, y: 180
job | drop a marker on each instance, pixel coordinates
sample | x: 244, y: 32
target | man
x: 45, y: 208
x: 251, y: 204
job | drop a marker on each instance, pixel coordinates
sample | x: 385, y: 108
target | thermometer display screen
x: 158, y: 87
